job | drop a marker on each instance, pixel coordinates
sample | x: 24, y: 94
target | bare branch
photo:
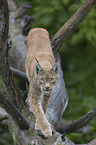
x: 78, y: 123
x: 18, y: 74
x: 4, y: 66
x: 22, y: 10
x: 84, y: 129
x: 93, y: 142
x: 3, y: 117
x: 24, y: 95
x: 71, y: 24
x: 5, y: 73
x: 4, y: 25
x: 14, y: 112
x: 28, y: 26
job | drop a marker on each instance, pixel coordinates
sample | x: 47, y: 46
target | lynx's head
x: 46, y: 78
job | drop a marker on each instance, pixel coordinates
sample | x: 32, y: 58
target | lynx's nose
x: 47, y: 85
x: 47, y: 88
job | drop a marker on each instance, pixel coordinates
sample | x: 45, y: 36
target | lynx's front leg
x: 45, y: 101
x: 36, y: 108
x: 44, y: 106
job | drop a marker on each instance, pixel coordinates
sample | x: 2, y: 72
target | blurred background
x: 78, y: 57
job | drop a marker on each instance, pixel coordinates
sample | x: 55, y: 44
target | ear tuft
x: 38, y: 68
x: 36, y: 60
x: 55, y: 68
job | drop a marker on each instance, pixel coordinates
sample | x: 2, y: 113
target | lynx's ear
x: 55, y: 68
x: 38, y: 68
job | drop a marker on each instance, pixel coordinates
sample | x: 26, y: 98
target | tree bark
x: 14, y: 112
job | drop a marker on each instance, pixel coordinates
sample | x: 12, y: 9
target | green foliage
x: 5, y: 138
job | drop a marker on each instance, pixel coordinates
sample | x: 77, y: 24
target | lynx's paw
x: 47, y: 131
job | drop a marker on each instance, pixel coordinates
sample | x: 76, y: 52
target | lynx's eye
x: 41, y: 80
x: 52, y: 80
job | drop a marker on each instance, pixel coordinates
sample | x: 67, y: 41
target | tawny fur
x: 39, y: 49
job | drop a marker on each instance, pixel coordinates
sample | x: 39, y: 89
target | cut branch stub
x: 71, y: 24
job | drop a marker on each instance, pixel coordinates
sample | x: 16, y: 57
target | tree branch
x: 93, y: 142
x: 4, y: 65
x: 71, y: 24
x: 5, y: 73
x: 4, y: 23
x: 84, y: 129
x: 78, y: 123
x: 18, y: 74
x: 22, y: 10
x: 14, y: 112
x: 3, y: 117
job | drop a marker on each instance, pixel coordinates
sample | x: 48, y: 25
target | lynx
x: 41, y: 71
